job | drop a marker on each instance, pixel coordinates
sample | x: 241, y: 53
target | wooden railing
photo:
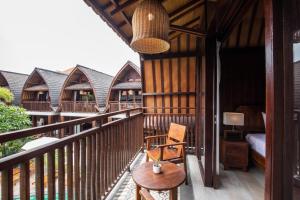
x: 82, y: 166
x: 37, y: 105
x: 79, y: 106
x: 159, y: 123
x: 116, y: 106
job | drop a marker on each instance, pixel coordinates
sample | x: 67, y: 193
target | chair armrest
x: 149, y: 138
x: 170, y: 145
x: 155, y: 136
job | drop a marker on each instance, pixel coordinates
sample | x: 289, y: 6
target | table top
x: 171, y: 176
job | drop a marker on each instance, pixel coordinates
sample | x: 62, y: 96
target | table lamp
x: 233, y: 119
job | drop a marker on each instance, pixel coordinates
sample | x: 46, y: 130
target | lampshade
x: 234, y: 119
x: 150, y: 27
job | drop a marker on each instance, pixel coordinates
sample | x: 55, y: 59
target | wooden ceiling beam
x: 97, y: 8
x: 123, y: 6
x: 234, y: 19
x: 126, y: 18
x: 254, y: 12
x: 187, y: 30
x: 180, y: 12
x: 169, y: 55
x: 188, y: 24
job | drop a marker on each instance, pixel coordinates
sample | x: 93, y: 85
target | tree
x: 13, y: 118
x: 5, y: 95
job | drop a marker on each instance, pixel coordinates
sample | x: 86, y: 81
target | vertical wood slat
x: 83, y: 169
x: 98, y: 183
x: 7, y: 184
x: 70, y: 171
x: 76, y: 145
x: 61, y: 173
x: 51, y: 174
x: 88, y: 167
x: 39, y: 177
x: 93, y: 168
x: 24, y: 181
x: 154, y: 84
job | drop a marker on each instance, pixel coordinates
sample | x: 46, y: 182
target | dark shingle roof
x: 54, y: 81
x: 100, y: 83
x: 127, y: 85
x: 15, y: 82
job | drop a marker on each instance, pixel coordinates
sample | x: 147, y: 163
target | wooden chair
x: 174, y: 149
x: 145, y: 195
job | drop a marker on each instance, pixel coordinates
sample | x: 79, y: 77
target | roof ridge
x: 56, y: 72
x: 14, y: 72
x: 94, y: 70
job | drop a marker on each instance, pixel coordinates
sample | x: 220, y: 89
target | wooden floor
x: 235, y: 185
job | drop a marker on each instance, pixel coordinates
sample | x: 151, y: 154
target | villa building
x: 40, y: 95
x: 14, y: 82
x: 125, y: 91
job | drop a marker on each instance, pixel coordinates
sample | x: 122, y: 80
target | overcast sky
x: 58, y: 34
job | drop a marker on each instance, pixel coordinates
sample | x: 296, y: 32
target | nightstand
x: 234, y: 150
x: 233, y: 135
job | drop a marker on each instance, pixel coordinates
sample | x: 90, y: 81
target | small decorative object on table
x: 156, y: 167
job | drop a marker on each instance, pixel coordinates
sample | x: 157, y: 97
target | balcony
x: 79, y: 106
x: 37, y: 105
x: 118, y: 106
x: 94, y: 163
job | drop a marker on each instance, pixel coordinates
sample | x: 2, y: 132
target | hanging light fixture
x: 150, y: 27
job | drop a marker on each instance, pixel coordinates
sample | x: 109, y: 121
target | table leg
x: 138, y: 196
x: 173, y: 194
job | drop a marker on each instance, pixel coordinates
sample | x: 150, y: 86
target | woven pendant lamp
x: 150, y: 27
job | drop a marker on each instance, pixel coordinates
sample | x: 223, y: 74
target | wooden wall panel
x: 170, y: 83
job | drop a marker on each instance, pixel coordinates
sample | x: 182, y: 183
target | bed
x: 257, y: 142
x: 254, y: 129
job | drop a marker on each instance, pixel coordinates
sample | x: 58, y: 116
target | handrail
x: 13, y: 135
x: 29, y: 154
x: 85, y: 165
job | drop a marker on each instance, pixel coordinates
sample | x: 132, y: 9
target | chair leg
x: 186, y: 174
x: 147, y: 158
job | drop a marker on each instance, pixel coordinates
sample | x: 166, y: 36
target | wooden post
x: 62, y: 131
x: 50, y: 121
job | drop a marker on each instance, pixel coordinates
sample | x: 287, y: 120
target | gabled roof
x: 54, y: 81
x: 116, y: 84
x: 128, y: 85
x: 99, y: 82
x: 15, y: 82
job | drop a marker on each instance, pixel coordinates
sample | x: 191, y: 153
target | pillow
x: 264, y: 117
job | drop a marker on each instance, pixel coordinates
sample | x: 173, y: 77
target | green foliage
x: 13, y: 118
x: 5, y: 95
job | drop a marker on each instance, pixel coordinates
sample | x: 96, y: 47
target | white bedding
x: 257, y: 142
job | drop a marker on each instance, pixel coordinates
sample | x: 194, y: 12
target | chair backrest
x: 176, y: 134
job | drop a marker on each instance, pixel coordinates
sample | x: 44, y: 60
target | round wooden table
x: 170, y: 178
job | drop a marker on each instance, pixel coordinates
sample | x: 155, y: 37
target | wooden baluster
x: 39, y: 177
x: 98, y: 166
x: 82, y: 169
x: 102, y: 163
x: 7, y: 184
x: 70, y: 171
x: 61, y: 173
x: 93, y: 168
x: 51, y: 175
x: 24, y: 181
x: 88, y: 168
x: 105, y: 158
x: 76, y: 170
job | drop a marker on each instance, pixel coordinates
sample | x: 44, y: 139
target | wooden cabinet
x: 234, y: 154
